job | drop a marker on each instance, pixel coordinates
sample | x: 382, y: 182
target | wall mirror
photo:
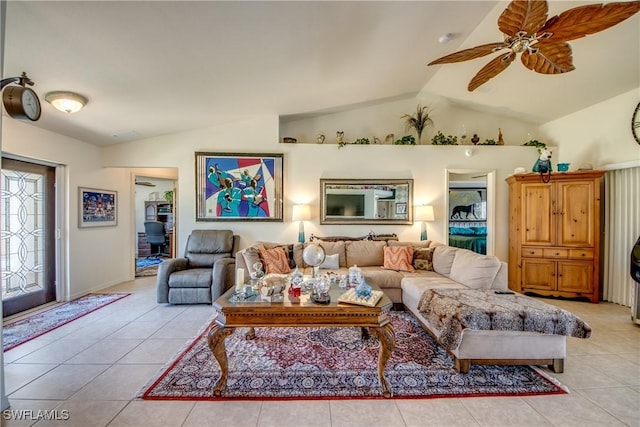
x: 366, y: 201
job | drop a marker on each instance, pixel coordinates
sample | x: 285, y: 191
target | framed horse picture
x: 238, y: 187
x: 468, y: 204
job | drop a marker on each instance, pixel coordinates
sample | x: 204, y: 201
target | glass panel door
x: 27, y: 218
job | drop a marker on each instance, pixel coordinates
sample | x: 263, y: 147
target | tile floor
x: 93, y: 367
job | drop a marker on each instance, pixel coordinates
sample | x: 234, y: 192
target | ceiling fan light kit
x: 541, y: 42
x: 68, y: 102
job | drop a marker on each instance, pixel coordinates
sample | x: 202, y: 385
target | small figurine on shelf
x: 320, y: 139
x: 475, y: 139
x: 500, y: 139
x: 340, y: 137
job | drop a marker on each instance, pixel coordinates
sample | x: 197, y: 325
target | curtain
x: 621, y: 230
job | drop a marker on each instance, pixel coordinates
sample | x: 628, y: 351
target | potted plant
x: 488, y: 142
x: 535, y: 143
x: 419, y: 121
x: 440, y: 139
x: 405, y: 140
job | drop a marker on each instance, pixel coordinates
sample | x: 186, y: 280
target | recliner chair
x: 205, y: 272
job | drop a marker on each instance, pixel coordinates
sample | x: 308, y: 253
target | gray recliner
x: 205, y: 272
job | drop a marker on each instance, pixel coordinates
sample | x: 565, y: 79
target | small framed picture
x: 97, y: 208
x: 401, y: 208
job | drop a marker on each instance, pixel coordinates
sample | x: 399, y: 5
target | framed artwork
x: 468, y: 204
x: 97, y: 208
x: 238, y: 187
x: 401, y: 208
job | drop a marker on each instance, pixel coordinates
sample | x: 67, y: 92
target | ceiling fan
x: 145, y: 183
x: 541, y: 41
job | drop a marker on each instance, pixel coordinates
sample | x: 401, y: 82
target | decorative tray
x: 350, y: 297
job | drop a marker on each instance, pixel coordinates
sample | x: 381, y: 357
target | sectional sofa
x: 438, y: 267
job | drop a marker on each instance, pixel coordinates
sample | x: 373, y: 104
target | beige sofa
x: 452, y: 268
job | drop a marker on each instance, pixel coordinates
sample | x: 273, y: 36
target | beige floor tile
x: 570, y: 410
x: 118, y: 382
x: 294, y: 413
x: 178, y: 328
x: 26, y: 412
x: 226, y: 414
x: 27, y: 348
x: 153, y: 414
x: 435, y: 412
x: 105, y: 351
x: 59, y: 383
x: 136, y: 330
x: 614, y: 366
x: 58, y: 351
x: 365, y: 413
x: 17, y: 375
x: 579, y: 375
x: 80, y: 413
x: 503, y: 411
x: 623, y: 403
x: 153, y: 351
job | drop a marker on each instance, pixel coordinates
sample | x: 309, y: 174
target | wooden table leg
x: 387, y: 337
x: 215, y: 340
x: 365, y: 333
x: 251, y: 334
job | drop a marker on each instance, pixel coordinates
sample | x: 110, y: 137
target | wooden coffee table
x: 305, y: 313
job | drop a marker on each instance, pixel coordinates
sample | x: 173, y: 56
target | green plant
x: 419, y: 121
x: 405, y: 140
x: 342, y: 143
x: 488, y: 142
x: 168, y: 195
x: 362, y: 141
x: 440, y: 139
x: 535, y: 143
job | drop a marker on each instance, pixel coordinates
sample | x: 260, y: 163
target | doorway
x: 27, y: 218
x: 471, y: 209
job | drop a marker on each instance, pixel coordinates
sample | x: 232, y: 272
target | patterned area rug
x: 148, y: 266
x: 319, y: 363
x: 21, y: 331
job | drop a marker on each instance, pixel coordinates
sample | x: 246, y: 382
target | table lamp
x: 424, y: 213
x: 301, y: 213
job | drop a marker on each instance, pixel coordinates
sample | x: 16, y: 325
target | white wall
x: 95, y: 257
x: 305, y: 164
x: 599, y: 135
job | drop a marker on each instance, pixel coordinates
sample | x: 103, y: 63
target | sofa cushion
x: 398, y: 258
x: 365, y: 253
x: 420, y: 244
x: 384, y: 279
x: 443, y: 259
x: 275, y: 260
x: 474, y: 270
x: 423, y: 259
x: 332, y: 248
x: 251, y: 256
x: 331, y: 262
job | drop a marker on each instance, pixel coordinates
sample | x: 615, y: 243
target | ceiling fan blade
x: 145, y: 183
x: 549, y: 58
x: 584, y: 20
x: 467, y: 54
x: 523, y: 15
x: 492, y: 69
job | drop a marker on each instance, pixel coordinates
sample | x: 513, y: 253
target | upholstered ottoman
x: 485, y: 327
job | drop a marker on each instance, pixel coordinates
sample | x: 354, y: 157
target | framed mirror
x: 366, y: 201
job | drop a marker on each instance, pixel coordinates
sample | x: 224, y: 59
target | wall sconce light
x: 301, y: 213
x: 424, y: 213
x: 67, y: 102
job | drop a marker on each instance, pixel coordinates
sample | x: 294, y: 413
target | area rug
x: 21, y: 331
x: 326, y: 363
x: 148, y: 266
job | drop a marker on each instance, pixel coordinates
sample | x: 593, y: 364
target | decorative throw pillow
x: 423, y: 259
x: 331, y: 262
x: 275, y: 260
x: 398, y: 258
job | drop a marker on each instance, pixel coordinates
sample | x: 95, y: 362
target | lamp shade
x: 68, y: 102
x: 301, y: 213
x: 425, y: 213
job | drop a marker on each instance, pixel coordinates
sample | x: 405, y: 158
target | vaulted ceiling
x: 150, y: 68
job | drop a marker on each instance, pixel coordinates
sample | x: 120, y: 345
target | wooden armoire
x: 554, y: 234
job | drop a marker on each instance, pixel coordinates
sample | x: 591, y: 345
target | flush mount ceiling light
x: 68, y: 102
